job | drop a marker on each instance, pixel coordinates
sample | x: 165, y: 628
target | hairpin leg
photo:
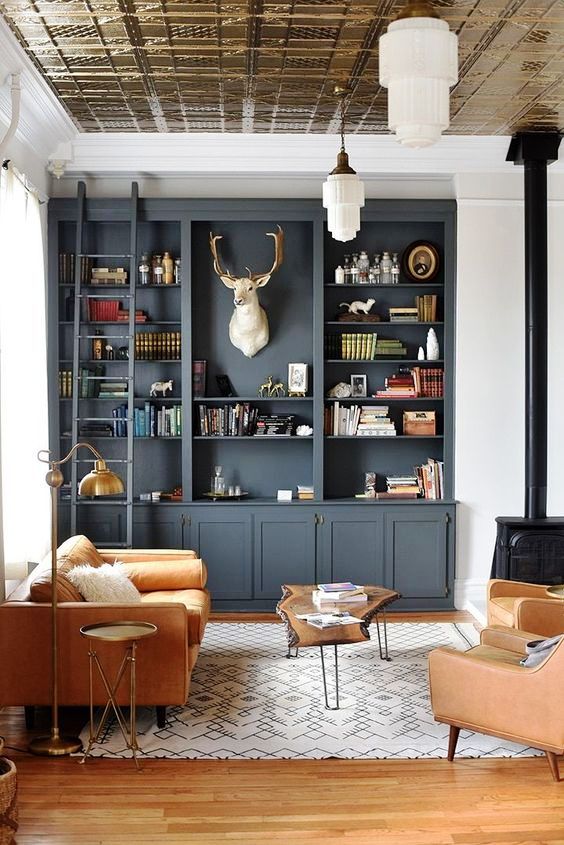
x: 289, y: 654
x: 384, y: 654
x: 327, y: 705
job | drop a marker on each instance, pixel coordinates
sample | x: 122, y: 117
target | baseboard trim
x: 470, y: 595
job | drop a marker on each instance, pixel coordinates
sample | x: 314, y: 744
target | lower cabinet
x: 351, y: 546
x: 222, y: 536
x: 250, y: 551
x: 419, y: 554
x: 158, y: 527
x: 284, y: 549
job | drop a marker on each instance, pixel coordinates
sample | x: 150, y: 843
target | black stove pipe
x: 535, y: 151
x: 536, y: 345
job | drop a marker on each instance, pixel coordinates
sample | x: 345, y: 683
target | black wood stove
x: 531, y: 548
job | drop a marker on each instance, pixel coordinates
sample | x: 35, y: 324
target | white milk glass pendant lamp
x: 418, y: 65
x: 343, y: 192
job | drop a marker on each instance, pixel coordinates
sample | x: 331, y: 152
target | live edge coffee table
x: 296, y: 601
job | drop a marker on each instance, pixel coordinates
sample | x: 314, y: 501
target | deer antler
x: 278, y: 256
x: 216, y: 259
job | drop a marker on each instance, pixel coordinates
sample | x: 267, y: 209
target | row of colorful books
x: 157, y: 421
x: 237, y: 420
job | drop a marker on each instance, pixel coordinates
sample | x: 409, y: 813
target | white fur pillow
x: 106, y: 583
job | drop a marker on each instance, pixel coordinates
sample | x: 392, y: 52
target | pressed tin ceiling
x: 171, y: 66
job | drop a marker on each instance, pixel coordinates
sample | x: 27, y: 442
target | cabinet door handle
x: 320, y: 519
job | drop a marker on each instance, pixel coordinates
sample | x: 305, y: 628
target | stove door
x: 537, y: 557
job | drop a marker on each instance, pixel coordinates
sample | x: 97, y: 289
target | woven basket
x: 8, y: 801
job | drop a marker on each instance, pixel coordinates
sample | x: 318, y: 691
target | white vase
x: 421, y: 354
x: 432, y: 346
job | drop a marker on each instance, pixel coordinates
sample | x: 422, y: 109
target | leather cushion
x: 73, y: 552
x: 197, y: 604
x: 496, y: 655
x: 503, y: 608
x: 150, y: 575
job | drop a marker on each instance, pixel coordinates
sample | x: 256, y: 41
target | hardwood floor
x: 391, y: 802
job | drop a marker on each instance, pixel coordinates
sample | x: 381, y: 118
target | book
x: 319, y: 597
x: 338, y: 587
x: 329, y: 620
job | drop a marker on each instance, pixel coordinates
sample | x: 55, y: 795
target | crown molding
x: 204, y: 154
x: 43, y: 123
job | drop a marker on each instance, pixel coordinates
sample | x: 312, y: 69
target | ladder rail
x: 80, y: 200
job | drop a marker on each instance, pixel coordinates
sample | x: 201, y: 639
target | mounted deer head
x: 248, y: 327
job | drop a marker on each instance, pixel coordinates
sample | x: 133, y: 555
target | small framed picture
x: 297, y: 379
x: 358, y: 386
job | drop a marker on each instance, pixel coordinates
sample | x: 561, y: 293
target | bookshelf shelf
x: 383, y: 360
x: 383, y: 400
x: 201, y: 400
x: 380, y: 323
x: 241, y: 540
x: 384, y: 437
x: 251, y: 437
x: 401, y: 286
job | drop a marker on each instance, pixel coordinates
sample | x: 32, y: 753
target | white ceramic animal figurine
x: 359, y: 306
x: 248, y: 327
x: 160, y: 386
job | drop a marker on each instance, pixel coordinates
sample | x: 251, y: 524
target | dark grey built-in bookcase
x: 253, y: 546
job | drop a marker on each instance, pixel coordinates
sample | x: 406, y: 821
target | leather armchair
x: 486, y: 690
x: 525, y: 606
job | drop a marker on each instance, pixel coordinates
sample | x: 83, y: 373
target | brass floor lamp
x: 100, y: 482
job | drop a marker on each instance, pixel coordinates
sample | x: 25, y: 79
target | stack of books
x: 274, y: 425
x: 404, y: 314
x: 343, y: 592
x: 400, y: 486
x: 400, y: 385
x: 305, y: 491
x: 113, y: 390
x: 390, y: 348
x: 94, y: 429
x: 107, y: 276
x: 110, y: 311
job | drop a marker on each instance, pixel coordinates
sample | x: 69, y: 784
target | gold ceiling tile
x: 190, y: 66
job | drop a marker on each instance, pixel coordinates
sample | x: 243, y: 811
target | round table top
x: 116, y: 632
x: 556, y: 591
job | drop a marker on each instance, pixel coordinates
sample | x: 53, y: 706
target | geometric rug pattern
x: 248, y: 701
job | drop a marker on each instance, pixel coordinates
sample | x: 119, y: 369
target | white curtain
x: 24, y: 498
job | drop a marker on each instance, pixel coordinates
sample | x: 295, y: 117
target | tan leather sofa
x: 525, y: 606
x: 164, y: 662
x: 486, y: 690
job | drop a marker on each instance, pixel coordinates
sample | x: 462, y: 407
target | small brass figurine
x: 271, y: 389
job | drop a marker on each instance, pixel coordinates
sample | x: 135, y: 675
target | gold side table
x: 115, y: 632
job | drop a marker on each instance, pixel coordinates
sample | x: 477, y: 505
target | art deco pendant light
x: 343, y: 192
x: 418, y: 64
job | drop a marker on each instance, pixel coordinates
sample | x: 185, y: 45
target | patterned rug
x: 248, y: 701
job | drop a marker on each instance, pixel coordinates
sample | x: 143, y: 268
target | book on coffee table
x: 329, y: 620
x: 319, y: 597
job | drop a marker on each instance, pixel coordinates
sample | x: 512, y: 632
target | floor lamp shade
x: 101, y: 482
x: 418, y: 65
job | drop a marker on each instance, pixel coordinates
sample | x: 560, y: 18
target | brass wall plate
x: 420, y: 261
